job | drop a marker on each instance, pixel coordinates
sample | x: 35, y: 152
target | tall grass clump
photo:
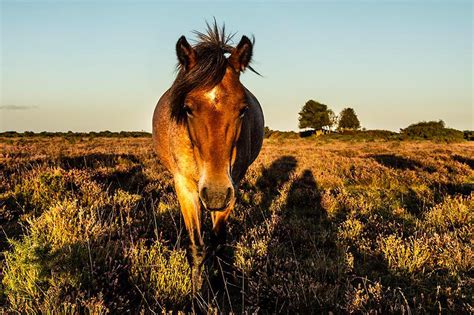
x: 49, y: 268
x: 453, y: 213
x: 410, y: 257
x: 161, y: 274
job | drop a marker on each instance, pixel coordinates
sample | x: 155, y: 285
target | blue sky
x: 102, y: 65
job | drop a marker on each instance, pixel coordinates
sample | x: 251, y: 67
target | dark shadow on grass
x: 221, y: 280
x: 95, y: 160
x: 452, y: 189
x: 303, y: 259
x: 12, y: 168
x: 400, y: 163
x: 132, y: 180
x: 274, y: 177
x: 465, y: 160
x: 415, y: 203
x: 268, y: 185
x: 304, y: 195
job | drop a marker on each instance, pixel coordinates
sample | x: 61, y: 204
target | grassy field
x: 93, y: 226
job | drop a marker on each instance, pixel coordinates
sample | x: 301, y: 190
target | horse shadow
x: 266, y: 190
x: 221, y: 280
x: 297, y: 227
x: 302, y: 232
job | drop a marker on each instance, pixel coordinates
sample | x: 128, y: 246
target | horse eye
x: 188, y: 110
x: 243, y: 111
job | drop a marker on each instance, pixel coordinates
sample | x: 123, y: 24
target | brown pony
x: 208, y: 129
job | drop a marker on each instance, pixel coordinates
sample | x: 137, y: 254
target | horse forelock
x: 210, y: 68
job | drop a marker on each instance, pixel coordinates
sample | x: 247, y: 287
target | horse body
x: 207, y: 130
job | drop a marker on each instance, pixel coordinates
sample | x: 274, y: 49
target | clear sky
x: 102, y: 65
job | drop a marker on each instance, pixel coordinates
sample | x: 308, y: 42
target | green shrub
x: 451, y: 214
x: 50, y: 269
x: 432, y: 130
x: 350, y: 230
x: 363, y: 135
x: 67, y: 223
x: 163, y: 275
x: 37, y: 191
x: 406, y: 257
x: 469, y: 135
x: 39, y: 278
x: 283, y: 135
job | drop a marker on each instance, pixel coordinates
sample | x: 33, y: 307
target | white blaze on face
x: 212, y: 95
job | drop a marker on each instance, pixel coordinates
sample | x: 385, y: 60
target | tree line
x: 91, y: 134
x: 318, y: 116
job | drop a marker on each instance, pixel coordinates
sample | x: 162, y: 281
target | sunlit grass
x: 93, y: 226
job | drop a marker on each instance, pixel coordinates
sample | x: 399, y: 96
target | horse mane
x: 211, y: 63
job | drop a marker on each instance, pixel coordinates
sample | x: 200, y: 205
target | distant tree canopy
x: 315, y: 115
x: 348, y: 119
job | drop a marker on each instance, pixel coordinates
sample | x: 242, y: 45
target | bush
x: 432, y: 130
x: 47, y: 270
x: 267, y: 132
x: 276, y: 134
x: 406, y: 257
x: 469, y: 135
x: 163, y: 275
x: 366, y: 135
x: 307, y: 133
x: 452, y: 214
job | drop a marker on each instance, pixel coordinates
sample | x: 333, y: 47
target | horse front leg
x: 188, y: 198
x: 221, y: 257
x: 219, y: 227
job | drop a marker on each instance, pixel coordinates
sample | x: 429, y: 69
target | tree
x: 315, y: 115
x: 348, y: 119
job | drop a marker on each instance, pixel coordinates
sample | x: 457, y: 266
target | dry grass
x: 93, y: 226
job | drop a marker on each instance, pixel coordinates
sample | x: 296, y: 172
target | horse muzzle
x: 216, y: 198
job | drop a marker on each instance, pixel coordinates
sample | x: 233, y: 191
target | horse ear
x: 242, y: 54
x: 186, y: 54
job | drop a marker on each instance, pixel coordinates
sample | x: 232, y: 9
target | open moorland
x: 92, y: 225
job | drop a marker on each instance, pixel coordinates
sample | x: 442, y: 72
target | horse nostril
x: 204, y: 193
